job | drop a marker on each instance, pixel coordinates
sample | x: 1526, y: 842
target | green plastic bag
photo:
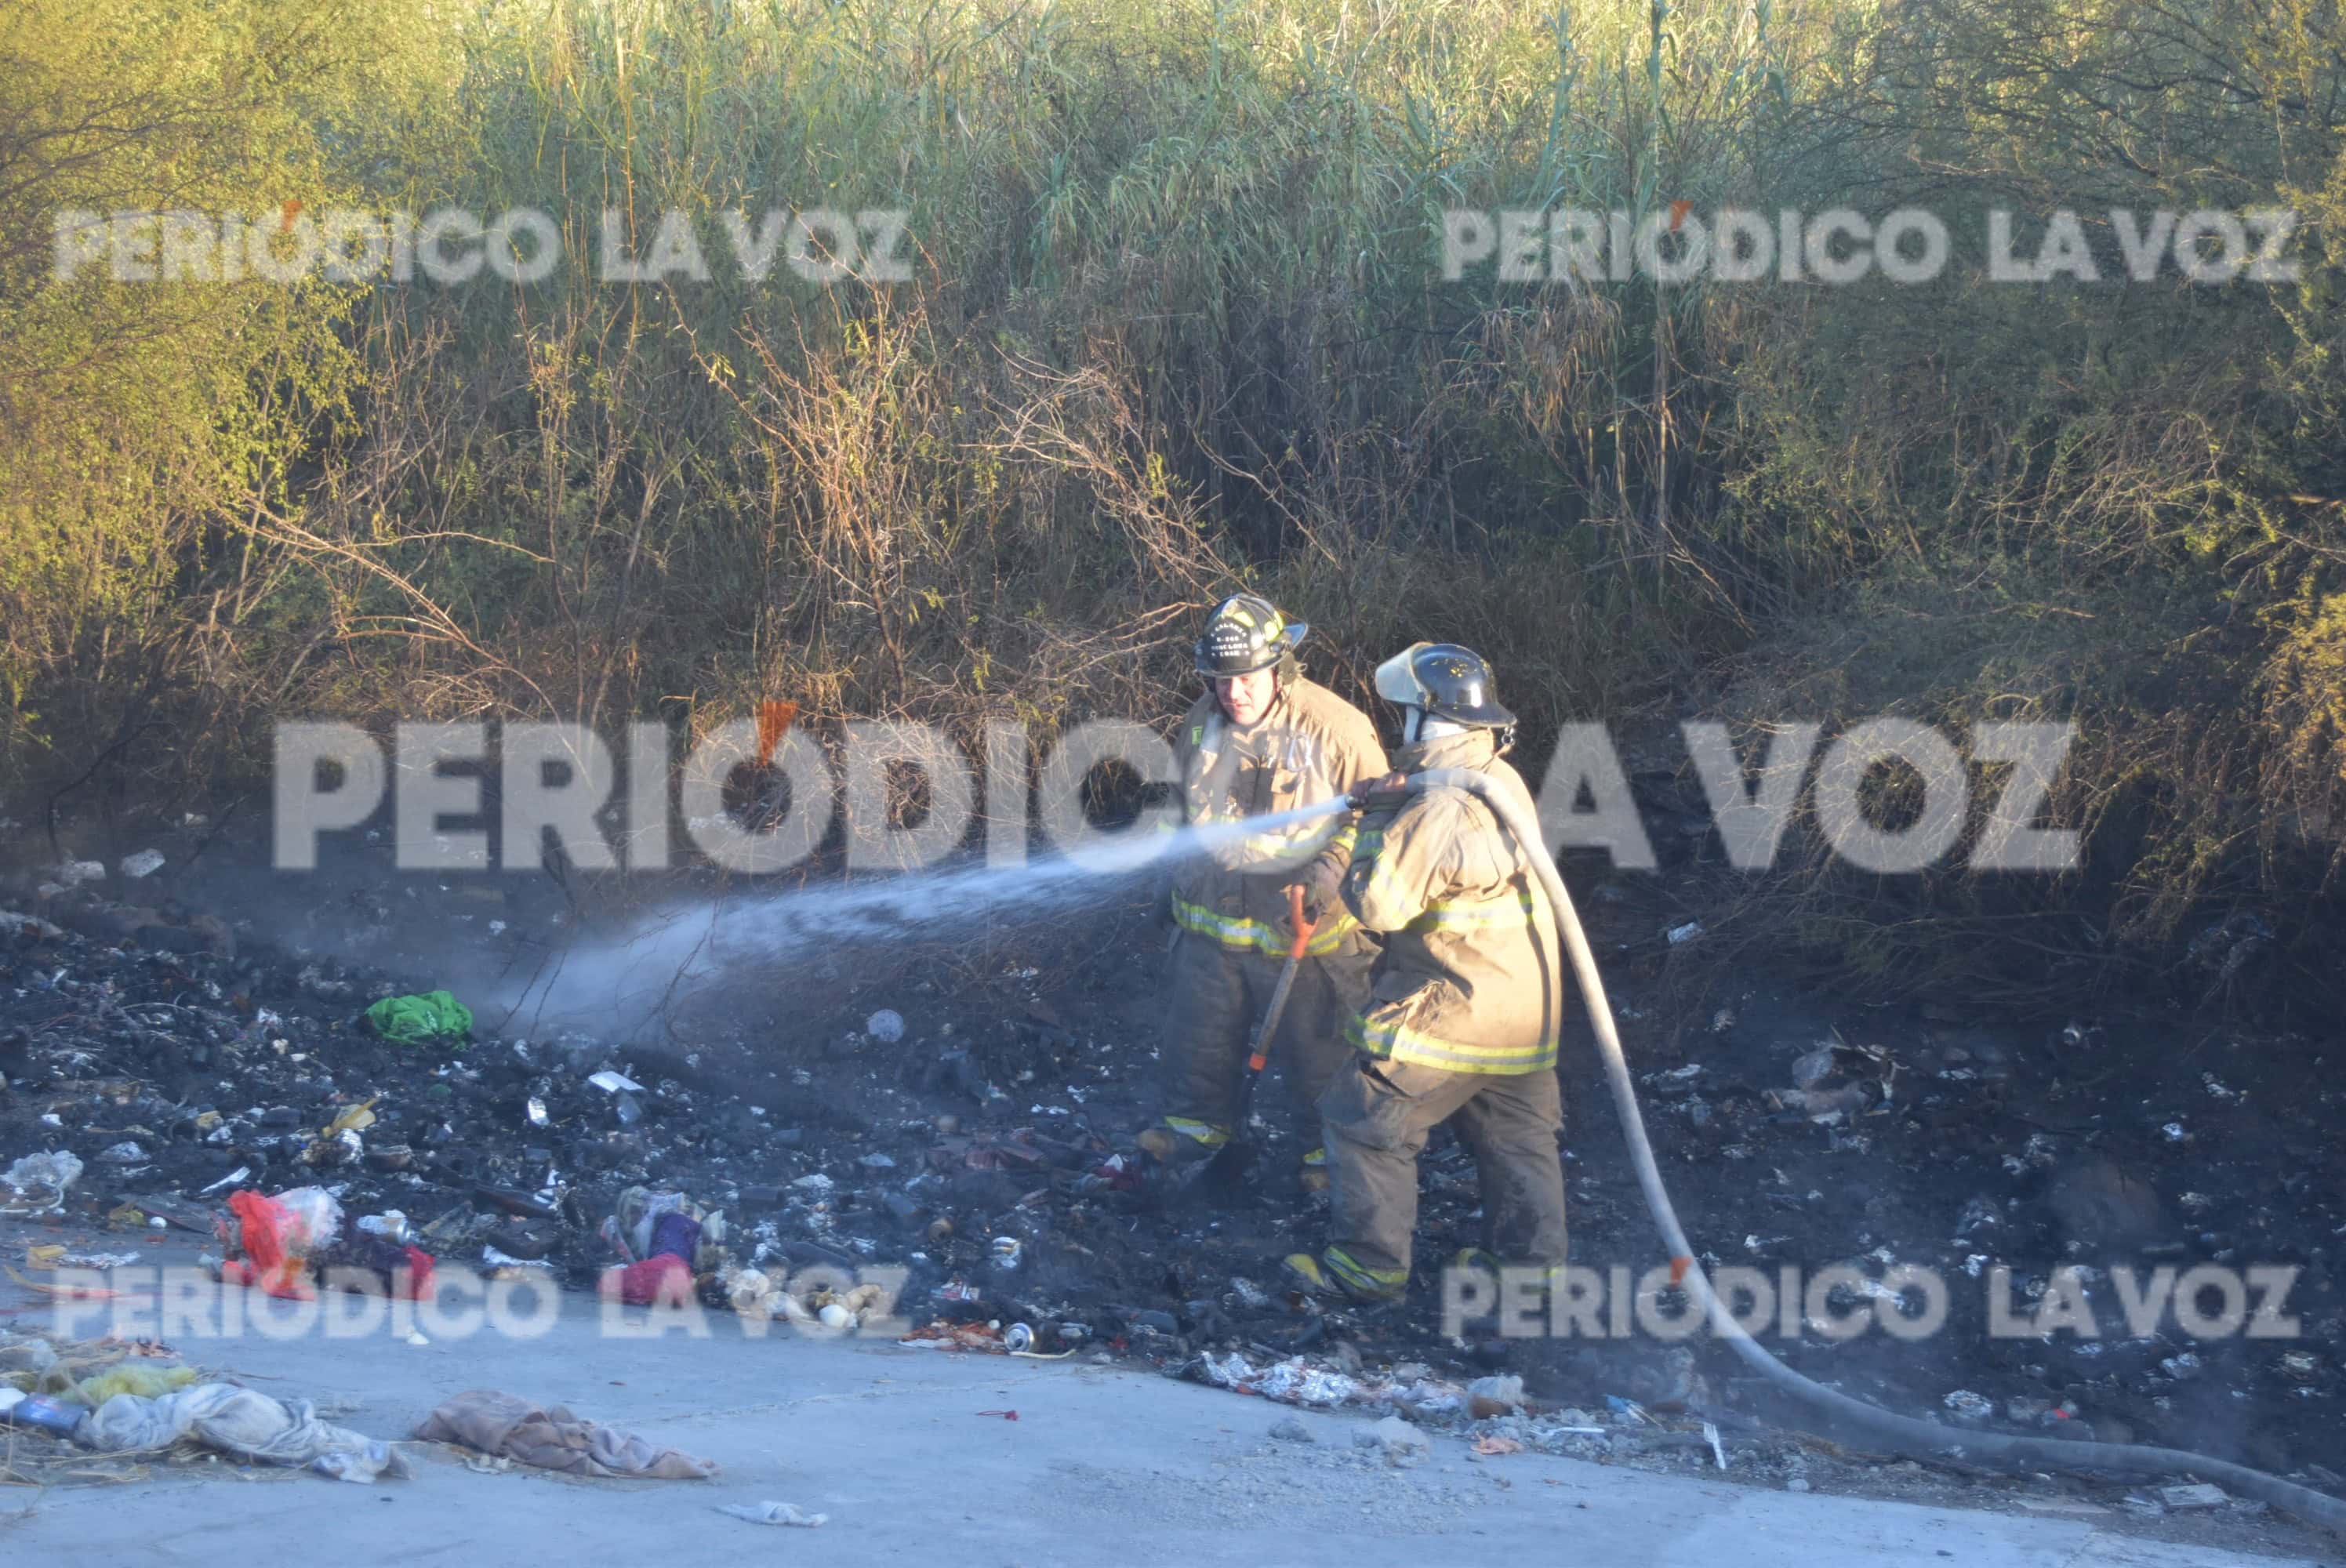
x: 412, y: 1020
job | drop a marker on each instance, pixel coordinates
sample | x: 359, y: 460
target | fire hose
x: 1906, y: 1432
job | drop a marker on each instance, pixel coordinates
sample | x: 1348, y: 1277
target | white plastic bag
x: 317, y: 1216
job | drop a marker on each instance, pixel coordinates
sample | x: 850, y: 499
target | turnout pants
x: 1216, y: 998
x: 1376, y: 1117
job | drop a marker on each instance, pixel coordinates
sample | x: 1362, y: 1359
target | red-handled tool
x: 1227, y: 1171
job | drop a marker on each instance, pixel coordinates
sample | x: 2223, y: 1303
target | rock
x: 887, y: 1027
x: 1400, y: 1442
x: 145, y: 863
x: 1291, y: 1429
x: 1798, y: 1484
x: 2198, y: 1495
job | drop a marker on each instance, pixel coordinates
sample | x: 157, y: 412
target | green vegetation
x: 1177, y: 318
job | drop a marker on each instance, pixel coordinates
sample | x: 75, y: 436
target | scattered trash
x: 944, y: 1335
x: 1969, y: 1406
x: 144, y: 864
x: 43, y: 1176
x: 774, y: 1514
x: 1017, y: 1337
x: 1490, y: 1444
x: 1840, y: 1078
x: 1005, y: 1415
x: 2198, y: 1495
x: 614, y: 1082
x: 1680, y: 935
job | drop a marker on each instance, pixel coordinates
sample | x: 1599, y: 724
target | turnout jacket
x: 1472, y: 977
x: 1310, y: 745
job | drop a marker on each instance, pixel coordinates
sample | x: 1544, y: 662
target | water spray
x: 698, y: 943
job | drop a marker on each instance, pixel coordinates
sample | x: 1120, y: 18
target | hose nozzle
x: 1385, y: 794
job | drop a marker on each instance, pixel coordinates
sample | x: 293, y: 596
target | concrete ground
x: 1103, y: 1464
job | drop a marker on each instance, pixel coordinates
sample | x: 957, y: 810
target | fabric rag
x: 551, y: 1438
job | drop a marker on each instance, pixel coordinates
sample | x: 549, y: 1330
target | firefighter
x: 1466, y: 1004
x: 1262, y: 740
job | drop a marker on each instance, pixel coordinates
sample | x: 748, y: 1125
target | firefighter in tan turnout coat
x: 1263, y: 740
x: 1467, y: 1002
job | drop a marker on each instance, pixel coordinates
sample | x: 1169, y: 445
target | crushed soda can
x: 1018, y: 1336
x: 957, y: 1290
x: 536, y: 1112
x: 1007, y: 1252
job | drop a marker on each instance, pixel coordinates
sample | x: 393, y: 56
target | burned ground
x: 1790, y: 1132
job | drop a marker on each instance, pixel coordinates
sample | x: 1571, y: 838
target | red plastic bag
x: 268, y: 1232
x: 662, y: 1281
x: 418, y: 1275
